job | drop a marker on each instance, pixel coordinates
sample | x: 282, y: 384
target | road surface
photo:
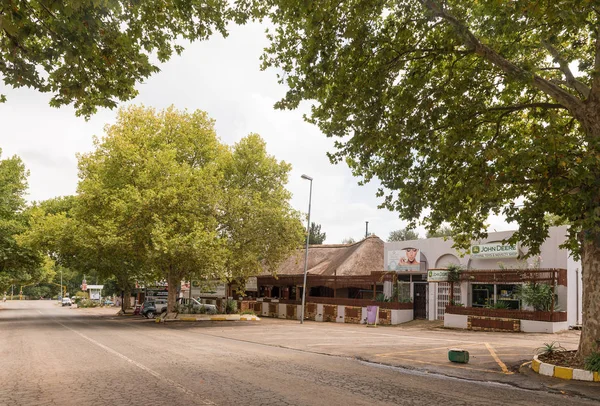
x: 53, y: 355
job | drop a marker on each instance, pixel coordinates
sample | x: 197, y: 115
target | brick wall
x: 493, y: 324
x: 353, y: 314
x: 290, y: 312
x: 385, y: 316
x: 329, y: 313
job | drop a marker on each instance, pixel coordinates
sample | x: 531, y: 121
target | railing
x: 359, y: 302
x: 508, y: 314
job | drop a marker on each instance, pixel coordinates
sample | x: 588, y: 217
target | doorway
x: 420, y: 301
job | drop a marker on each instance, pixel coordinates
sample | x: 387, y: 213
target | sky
x: 222, y: 77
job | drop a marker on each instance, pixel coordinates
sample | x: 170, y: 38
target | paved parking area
x: 418, y: 345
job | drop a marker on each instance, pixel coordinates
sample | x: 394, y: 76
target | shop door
x: 420, y: 301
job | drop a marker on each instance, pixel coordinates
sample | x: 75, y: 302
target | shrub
x: 454, y: 271
x: 83, y: 303
x: 537, y: 295
x: 592, y: 362
x: 250, y: 312
x: 500, y: 305
x: 231, y: 306
x: 381, y: 298
x: 550, y: 348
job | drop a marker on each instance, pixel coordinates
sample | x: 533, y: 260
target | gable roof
x: 360, y: 258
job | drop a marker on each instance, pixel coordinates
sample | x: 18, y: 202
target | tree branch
x: 569, y: 101
x: 527, y: 106
x: 596, y: 73
x: 573, y: 83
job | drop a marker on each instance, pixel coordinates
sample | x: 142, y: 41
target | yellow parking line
x: 502, y: 365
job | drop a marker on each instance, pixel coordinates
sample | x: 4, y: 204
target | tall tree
x: 91, y: 53
x: 443, y: 231
x: 461, y: 108
x: 315, y: 234
x: 256, y: 220
x: 403, y: 234
x: 151, y: 191
x: 19, y: 263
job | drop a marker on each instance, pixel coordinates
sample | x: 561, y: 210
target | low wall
x: 335, y: 310
x: 504, y: 320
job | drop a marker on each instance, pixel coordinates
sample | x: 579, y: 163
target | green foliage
x: 316, y: 236
x: 348, y: 240
x: 458, y: 108
x: 403, y: 234
x: 85, y: 303
x: 19, y: 262
x: 455, y: 303
x: 550, y: 348
x: 443, y: 231
x: 91, y: 53
x: 454, y: 271
x: 256, y: 220
x: 250, y: 312
x: 537, y: 295
x: 592, y: 362
x: 230, y: 306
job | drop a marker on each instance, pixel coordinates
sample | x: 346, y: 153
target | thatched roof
x: 360, y: 258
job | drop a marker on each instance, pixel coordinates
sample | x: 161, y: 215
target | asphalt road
x: 50, y: 355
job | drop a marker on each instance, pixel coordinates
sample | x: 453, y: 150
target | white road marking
x: 142, y: 367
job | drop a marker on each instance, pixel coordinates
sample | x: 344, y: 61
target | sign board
x: 408, y: 259
x: 210, y: 290
x: 252, y: 284
x: 437, y: 276
x: 495, y: 250
x: 372, y: 315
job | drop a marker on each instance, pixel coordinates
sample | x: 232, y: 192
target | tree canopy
x: 403, y: 234
x: 459, y: 108
x: 315, y: 234
x: 443, y: 231
x: 92, y: 53
x: 161, y: 199
x: 19, y: 263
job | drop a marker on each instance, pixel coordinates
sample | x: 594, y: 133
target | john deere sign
x: 496, y: 250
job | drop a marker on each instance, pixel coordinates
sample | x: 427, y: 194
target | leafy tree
x: 461, y: 108
x: 149, y: 195
x: 257, y: 223
x: 403, y: 234
x: 91, y: 53
x: 554, y: 220
x: 315, y: 234
x: 348, y: 240
x: 19, y: 264
x: 443, y: 231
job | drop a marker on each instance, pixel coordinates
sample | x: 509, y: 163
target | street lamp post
x: 306, y: 252
x: 61, y: 288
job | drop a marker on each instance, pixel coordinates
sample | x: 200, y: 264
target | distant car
x: 151, y: 308
x: 66, y: 301
x: 183, y: 301
x: 108, y: 302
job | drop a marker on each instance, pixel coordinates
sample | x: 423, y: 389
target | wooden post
x: 554, y: 275
x: 374, y: 290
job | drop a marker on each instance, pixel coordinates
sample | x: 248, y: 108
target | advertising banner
x: 495, y: 250
x: 372, y: 315
x: 403, y: 260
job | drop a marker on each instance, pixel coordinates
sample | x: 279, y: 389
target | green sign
x: 495, y: 250
x: 437, y: 276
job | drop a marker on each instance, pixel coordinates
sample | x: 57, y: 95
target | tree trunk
x: 173, y: 280
x: 590, y: 263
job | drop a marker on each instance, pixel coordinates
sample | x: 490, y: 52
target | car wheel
x: 150, y: 314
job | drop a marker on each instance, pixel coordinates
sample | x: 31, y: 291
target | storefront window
x: 483, y: 295
x: 508, y: 295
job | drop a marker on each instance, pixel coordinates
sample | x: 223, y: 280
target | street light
x: 306, y: 253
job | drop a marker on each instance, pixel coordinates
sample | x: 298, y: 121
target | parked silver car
x: 184, y: 301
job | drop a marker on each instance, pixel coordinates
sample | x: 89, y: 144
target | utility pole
x: 366, y: 229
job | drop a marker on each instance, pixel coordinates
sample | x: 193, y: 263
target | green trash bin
x: 458, y: 355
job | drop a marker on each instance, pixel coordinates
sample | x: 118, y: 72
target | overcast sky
x: 221, y: 77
